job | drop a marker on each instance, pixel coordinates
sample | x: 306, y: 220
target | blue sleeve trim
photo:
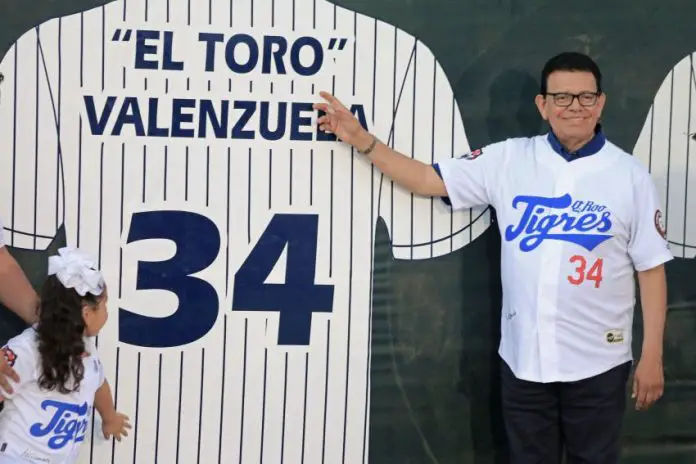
x: 436, y: 167
x: 446, y: 200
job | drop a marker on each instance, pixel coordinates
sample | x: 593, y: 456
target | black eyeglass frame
x: 593, y: 97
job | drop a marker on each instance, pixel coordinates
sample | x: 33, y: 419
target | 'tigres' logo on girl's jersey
x: 69, y: 423
x: 540, y: 222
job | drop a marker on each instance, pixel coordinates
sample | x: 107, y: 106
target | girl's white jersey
x: 39, y: 426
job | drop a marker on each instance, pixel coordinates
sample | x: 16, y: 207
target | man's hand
x: 648, y: 382
x: 7, y: 372
x: 340, y: 121
x: 648, y: 379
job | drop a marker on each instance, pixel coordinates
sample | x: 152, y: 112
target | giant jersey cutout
x: 175, y: 141
x: 667, y: 145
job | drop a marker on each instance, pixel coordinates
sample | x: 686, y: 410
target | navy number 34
x: 198, y: 244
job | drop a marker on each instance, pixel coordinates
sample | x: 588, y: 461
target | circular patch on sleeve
x: 472, y: 155
x: 9, y: 355
x: 660, y: 224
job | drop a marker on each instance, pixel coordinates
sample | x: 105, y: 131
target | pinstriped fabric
x: 234, y: 393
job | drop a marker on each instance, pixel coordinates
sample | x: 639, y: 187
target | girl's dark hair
x: 60, y: 333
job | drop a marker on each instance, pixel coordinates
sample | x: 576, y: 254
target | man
x: 577, y: 216
x: 16, y: 293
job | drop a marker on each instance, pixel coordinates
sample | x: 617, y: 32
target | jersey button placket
x: 548, y: 290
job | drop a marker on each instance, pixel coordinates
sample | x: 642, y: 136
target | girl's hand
x: 115, y: 425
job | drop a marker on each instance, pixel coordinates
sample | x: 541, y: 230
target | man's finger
x: 8, y: 371
x: 638, y: 393
x: 331, y: 99
x: 5, y: 385
x: 635, y: 387
x: 649, y: 400
x: 656, y: 394
x: 642, y: 397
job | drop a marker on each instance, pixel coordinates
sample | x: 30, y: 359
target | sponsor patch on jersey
x: 9, y: 355
x: 660, y: 224
x: 614, y: 336
x: 472, y: 155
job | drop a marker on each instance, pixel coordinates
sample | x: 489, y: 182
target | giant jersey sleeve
x: 30, y: 113
x: 426, y: 125
x: 647, y: 246
x: 667, y: 147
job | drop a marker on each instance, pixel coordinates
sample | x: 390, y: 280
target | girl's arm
x: 114, y: 424
x: 104, y: 402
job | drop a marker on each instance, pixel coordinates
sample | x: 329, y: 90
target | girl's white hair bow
x: 77, y: 270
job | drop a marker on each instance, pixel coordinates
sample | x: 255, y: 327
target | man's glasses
x: 566, y: 99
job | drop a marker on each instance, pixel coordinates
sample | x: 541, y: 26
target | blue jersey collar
x: 590, y: 148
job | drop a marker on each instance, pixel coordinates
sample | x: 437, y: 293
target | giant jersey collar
x: 590, y: 148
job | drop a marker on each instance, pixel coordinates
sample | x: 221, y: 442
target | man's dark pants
x: 582, y: 417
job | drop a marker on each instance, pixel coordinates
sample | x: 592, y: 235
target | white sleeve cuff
x: 662, y: 258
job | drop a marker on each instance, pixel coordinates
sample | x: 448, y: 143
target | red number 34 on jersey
x: 586, y: 271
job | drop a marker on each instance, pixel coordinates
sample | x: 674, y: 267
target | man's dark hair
x: 570, y: 61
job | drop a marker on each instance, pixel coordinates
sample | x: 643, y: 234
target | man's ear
x: 540, y: 101
x: 602, y: 100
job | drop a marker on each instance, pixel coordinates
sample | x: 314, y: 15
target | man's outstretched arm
x: 464, y: 180
x: 410, y: 173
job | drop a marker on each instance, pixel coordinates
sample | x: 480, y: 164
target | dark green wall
x: 436, y: 322
x: 442, y: 317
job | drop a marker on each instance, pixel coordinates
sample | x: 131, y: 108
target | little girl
x: 47, y: 414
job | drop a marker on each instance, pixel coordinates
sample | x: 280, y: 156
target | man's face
x: 571, y: 105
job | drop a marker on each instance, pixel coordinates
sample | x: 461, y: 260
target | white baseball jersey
x: 2, y: 234
x: 668, y: 147
x: 41, y: 426
x: 178, y: 145
x: 572, y: 234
